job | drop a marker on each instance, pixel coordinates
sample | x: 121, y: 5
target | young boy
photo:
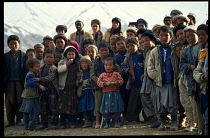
x: 85, y: 44
x: 39, y: 50
x: 61, y: 29
x: 14, y: 77
x: 113, y: 49
x: 60, y: 41
x: 30, y: 105
x: 48, y: 77
x: 52, y: 45
x: 96, y: 69
x: 58, y: 57
x: 30, y: 53
x: 131, y: 32
x: 162, y: 67
x: 46, y: 41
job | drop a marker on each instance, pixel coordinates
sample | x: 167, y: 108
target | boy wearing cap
x: 14, y: 77
x: 39, y: 50
x: 61, y: 29
x: 191, y: 16
x: 60, y: 41
x: 141, y: 24
x: 114, y: 30
x: 46, y: 41
x: 97, y: 34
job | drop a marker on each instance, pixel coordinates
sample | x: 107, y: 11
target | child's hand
x: 192, y: 67
x: 80, y: 80
x: 108, y: 83
x: 36, y: 79
x: 42, y: 88
x: 70, y: 62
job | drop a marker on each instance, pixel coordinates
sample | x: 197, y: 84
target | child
x: 113, y: 49
x: 112, y: 102
x: 67, y: 73
x: 162, y: 67
x: 85, y: 44
x: 61, y: 29
x: 92, y: 51
x: 14, y: 76
x: 48, y: 78
x: 141, y: 24
x: 132, y: 66
x: 131, y: 32
x: 147, y: 92
x: 75, y: 44
x: 30, y: 53
x: 180, y: 19
x: 39, y: 50
x: 46, y: 41
x: 178, y: 48
x: 58, y: 57
x: 30, y: 105
x: 85, y: 92
x: 60, y: 41
x: 96, y: 69
x: 52, y: 45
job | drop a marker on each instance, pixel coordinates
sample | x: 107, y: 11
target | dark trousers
x: 71, y: 118
x: 88, y: 115
x: 29, y: 119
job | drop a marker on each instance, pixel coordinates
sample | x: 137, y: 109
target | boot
x: 87, y: 124
x: 116, y: 123
x: 98, y: 121
x: 162, y: 122
x: 107, y: 120
x: 174, y: 125
x: 206, y: 129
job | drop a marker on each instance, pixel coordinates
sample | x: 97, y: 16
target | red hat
x: 75, y: 44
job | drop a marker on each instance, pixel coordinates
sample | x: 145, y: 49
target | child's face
x: 46, y: 42
x: 112, y: 46
x: 35, y: 68
x: 84, y: 65
x: 121, y: 46
x: 109, y: 66
x: 14, y: 45
x: 49, y: 58
x: 103, y: 52
x: 61, y: 32
x: 141, y: 26
x: 180, y: 36
x: 70, y: 55
x: 39, y: 53
x: 31, y: 54
x: 95, y: 27
x: 156, y: 32
x: 115, y: 24
x: 147, y: 43
x: 130, y: 34
x: 92, y: 53
x: 85, y: 47
x: 202, y: 36
x: 192, y: 38
x: 132, y: 48
x: 52, y: 46
x: 164, y: 37
x: 178, y: 50
x: 57, y: 58
x: 60, y: 43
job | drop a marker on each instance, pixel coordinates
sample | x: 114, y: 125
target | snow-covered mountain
x: 31, y: 21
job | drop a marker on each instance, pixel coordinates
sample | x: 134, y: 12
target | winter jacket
x: 155, y: 68
x: 106, y: 36
x: 98, y: 37
x: 86, y: 35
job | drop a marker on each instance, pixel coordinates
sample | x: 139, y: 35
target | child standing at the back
x: 112, y: 102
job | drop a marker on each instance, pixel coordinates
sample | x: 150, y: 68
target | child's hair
x: 103, y: 44
x: 165, y: 28
x: 13, y: 37
x: 151, y: 35
x: 49, y: 51
x: 88, y: 41
x: 110, y: 59
x: 31, y: 62
x: 178, y: 44
x: 93, y: 46
x: 132, y: 40
x: 29, y: 50
x: 57, y: 52
x: 118, y: 39
x: 203, y: 27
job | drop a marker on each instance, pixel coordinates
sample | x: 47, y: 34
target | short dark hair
x: 110, y: 58
x: 103, y: 44
x: 88, y: 41
x: 165, y: 28
x: 49, y: 51
x: 118, y: 39
x: 31, y: 62
x: 202, y: 27
x: 29, y: 50
x: 133, y: 40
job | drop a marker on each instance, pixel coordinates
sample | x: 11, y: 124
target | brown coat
x: 106, y: 36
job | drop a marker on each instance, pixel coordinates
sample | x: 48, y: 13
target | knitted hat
x: 177, y: 12
x: 96, y: 21
x: 116, y: 19
x: 156, y: 26
x: 47, y: 37
x: 38, y: 46
x: 78, y: 20
x: 93, y: 46
x: 151, y: 35
x: 177, y: 27
x: 60, y: 36
x: 190, y: 28
x: 185, y: 18
x: 75, y: 44
x: 71, y: 48
x: 141, y: 31
x: 140, y: 20
x: 132, y: 29
x: 85, y: 59
x: 62, y: 27
x: 13, y: 37
x: 193, y: 16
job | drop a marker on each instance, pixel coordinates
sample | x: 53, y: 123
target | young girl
x: 67, y: 99
x: 132, y: 66
x: 162, y: 67
x: 112, y: 102
x: 85, y: 92
x: 92, y: 51
x: 30, y: 105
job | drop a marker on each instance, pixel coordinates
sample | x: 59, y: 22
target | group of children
x: 115, y: 76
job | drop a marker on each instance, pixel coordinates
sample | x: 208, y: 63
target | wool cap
x: 151, y: 35
x: 132, y: 29
x: 96, y: 21
x: 140, y: 20
x: 141, y: 31
x: 60, y: 36
x: 132, y: 23
x: 190, y: 28
x: 116, y: 19
x: 156, y: 26
x: 62, y: 27
x: 93, y: 46
x: 185, y: 18
x: 86, y: 59
x: 39, y: 46
x: 47, y: 37
x: 193, y: 16
x: 71, y: 48
x: 177, y: 12
x: 177, y: 27
x: 13, y: 37
x: 78, y: 20
x: 75, y: 44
